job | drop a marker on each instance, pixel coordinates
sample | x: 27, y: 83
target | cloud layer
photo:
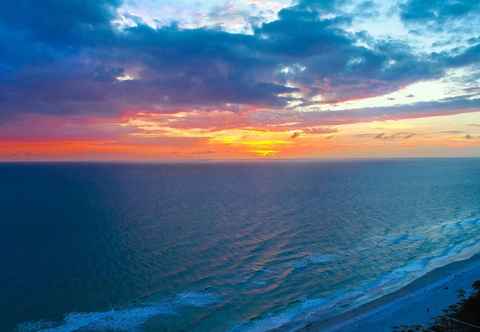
x: 290, y: 62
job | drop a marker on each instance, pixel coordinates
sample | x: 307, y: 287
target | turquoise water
x: 223, y: 247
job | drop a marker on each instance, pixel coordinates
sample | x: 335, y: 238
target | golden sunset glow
x: 276, y: 79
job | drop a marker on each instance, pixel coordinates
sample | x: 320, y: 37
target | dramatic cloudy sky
x: 225, y: 79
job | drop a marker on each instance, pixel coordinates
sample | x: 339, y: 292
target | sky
x: 247, y: 79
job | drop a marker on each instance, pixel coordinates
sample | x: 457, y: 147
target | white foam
x: 454, y: 241
x: 118, y: 320
x: 462, y: 246
x: 297, y: 315
x: 127, y: 319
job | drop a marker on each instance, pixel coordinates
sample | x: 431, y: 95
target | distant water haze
x: 219, y: 247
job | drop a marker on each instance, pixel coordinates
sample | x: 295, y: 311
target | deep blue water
x: 223, y: 247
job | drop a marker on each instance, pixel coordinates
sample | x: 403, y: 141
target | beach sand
x: 417, y: 303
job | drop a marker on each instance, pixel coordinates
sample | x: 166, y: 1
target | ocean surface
x: 234, y: 247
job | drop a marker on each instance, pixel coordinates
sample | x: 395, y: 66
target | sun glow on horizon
x: 247, y: 79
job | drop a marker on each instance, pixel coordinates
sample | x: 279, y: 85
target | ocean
x: 223, y: 247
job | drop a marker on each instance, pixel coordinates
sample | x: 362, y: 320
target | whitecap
x: 126, y: 319
x: 118, y: 320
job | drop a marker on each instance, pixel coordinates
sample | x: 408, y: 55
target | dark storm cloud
x: 36, y: 31
x: 57, y: 21
x: 63, y: 57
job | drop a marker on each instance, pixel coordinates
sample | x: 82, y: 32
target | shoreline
x: 417, y: 303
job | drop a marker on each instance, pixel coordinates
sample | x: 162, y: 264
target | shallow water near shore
x: 226, y: 246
